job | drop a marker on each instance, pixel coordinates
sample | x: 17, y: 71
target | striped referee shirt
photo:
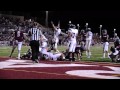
x: 34, y: 34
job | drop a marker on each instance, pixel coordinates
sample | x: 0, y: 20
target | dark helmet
x: 112, y: 49
x: 104, y: 31
x: 82, y: 31
x: 118, y: 41
x: 72, y: 26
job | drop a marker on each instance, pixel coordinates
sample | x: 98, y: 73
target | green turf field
x: 96, y: 52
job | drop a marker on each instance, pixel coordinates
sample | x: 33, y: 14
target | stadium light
x: 69, y: 22
x: 86, y: 26
x: 46, y: 19
x: 114, y: 32
x: 78, y: 26
x: 100, y: 30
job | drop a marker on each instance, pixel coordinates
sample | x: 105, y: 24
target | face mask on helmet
x: 57, y: 27
x: 89, y: 29
x: 82, y: 31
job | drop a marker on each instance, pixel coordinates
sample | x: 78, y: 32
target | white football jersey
x: 57, y: 32
x: 74, y: 33
x: 48, y: 55
x: 89, y: 35
x: 44, y: 39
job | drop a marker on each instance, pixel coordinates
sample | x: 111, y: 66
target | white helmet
x: 115, y: 34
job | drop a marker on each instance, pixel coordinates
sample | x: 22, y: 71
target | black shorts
x: 82, y: 49
x: 77, y: 50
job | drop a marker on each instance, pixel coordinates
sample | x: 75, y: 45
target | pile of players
x: 52, y: 53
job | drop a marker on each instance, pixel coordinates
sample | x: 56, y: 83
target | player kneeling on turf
x: 79, y: 50
x: 27, y: 55
x: 114, y: 54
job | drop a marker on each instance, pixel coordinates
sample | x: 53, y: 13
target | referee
x: 34, y: 34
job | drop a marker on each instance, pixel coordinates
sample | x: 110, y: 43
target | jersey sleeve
x: 29, y: 32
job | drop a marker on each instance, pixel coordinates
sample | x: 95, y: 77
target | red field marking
x: 53, y: 72
x: 4, y: 58
x: 16, y: 74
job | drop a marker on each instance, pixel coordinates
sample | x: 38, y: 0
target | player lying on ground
x: 47, y: 55
x: 44, y: 53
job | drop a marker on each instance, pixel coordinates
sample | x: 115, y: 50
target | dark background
x: 108, y: 18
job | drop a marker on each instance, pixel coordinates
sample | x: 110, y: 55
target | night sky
x: 109, y: 19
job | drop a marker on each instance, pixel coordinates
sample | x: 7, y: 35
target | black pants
x: 35, y: 49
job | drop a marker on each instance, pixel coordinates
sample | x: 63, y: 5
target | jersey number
x: 73, y: 35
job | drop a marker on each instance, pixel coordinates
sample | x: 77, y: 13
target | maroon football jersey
x: 83, y: 36
x: 104, y: 37
x: 19, y: 36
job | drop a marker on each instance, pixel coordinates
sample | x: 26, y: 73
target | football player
x: 89, y: 36
x: 72, y: 34
x: 19, y: 36
x: 51, y: 56
x: 57, y: 32
x: 116, y: 40
x: 105, y: 37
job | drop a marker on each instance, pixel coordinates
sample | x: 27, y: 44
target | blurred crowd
x: 8, y: 25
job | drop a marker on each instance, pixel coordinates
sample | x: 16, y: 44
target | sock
x: 103, y: 55
x: 18, y: 54
x: 86, y: 53
x: 108, y: 54
x: 90, y: 53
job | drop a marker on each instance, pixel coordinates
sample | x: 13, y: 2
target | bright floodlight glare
x: 100, y: 25
x: 86, y: 24
x: 69, y: 21
x: 46, y: 19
